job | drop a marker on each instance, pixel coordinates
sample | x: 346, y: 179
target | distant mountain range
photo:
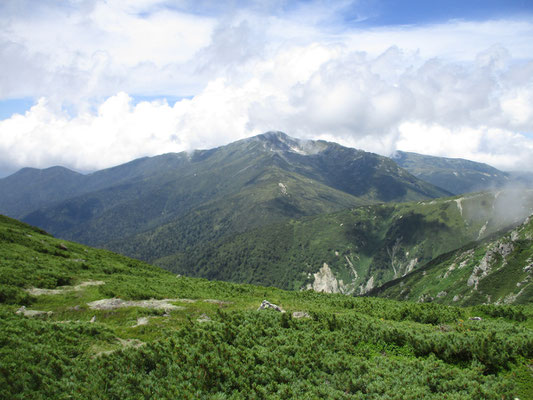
x: 452, y: 174
x: 273, y: 210
x: 207, y: 193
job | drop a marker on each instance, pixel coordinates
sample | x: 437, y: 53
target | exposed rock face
x: 410, y: 266
x: 485, y: 265
x: 368, y: 286
x: 141, y: 321
x: 510, y: 298
x: 283, y: 189
x: 462, y: 259
x: 267, y: 304
x: 325, y: 281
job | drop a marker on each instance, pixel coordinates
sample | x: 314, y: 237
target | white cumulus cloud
x: 459, y: 89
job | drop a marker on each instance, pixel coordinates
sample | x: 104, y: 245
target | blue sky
x: 430, y: 12
x: 96, y: 83
x: 8, y: 107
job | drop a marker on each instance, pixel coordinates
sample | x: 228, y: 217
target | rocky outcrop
x: 325, y: 281
x: 485, y: 265
x: 218, y: 302
x: 63, y: 289
x: 204, y: 318
x: 268, y: 305
x: 33, y: 313
x: 410, y: 266
x: 141, y: 321
x: 368, y: 286
x: 425, y: 298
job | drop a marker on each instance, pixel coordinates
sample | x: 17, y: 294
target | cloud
x: 460, y: 88
x: 504, y: 149
x: 313, y: 91
x: 77, y: 53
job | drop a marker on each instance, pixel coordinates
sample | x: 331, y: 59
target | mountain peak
x: 281, y: 142
x: 275, y: 135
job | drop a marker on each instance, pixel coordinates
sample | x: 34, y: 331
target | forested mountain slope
x: 229, y: 189
x: 355, y: 250
x: 30, y: 189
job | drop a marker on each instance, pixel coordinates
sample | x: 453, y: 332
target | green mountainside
x: 207, y: 194
x: 30, y: 189
x: 83, y: 323
x: 453, y: 174
x: 499, y: 270
x: 352, y: 251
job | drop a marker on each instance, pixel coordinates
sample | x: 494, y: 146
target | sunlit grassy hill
x: 77, y: 322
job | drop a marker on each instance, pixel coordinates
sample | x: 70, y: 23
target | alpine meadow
x: 284, y: 199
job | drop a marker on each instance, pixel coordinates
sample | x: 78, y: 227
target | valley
x: 290, y: 269
x: 276, y: 211
x: 266, y: 200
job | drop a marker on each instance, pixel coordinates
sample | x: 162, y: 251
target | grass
x: 349, y: 348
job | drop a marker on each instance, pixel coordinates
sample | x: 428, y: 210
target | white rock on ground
x: 266, y: 304
x: 111, y: 304
x: 62, y: 289
x: 33, y: 313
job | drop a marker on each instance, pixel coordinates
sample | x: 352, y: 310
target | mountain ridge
x: 147, y: 193
x: 456, y: 175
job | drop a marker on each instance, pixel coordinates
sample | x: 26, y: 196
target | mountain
x: 522, y: 178
x: 30, y: 189
x: 499, y: 270
x: 155, y: 207
x: 87, y: 323
x: 452, y: 174
x: 355, y: 250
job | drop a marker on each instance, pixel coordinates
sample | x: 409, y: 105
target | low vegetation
x: 214, y: 344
